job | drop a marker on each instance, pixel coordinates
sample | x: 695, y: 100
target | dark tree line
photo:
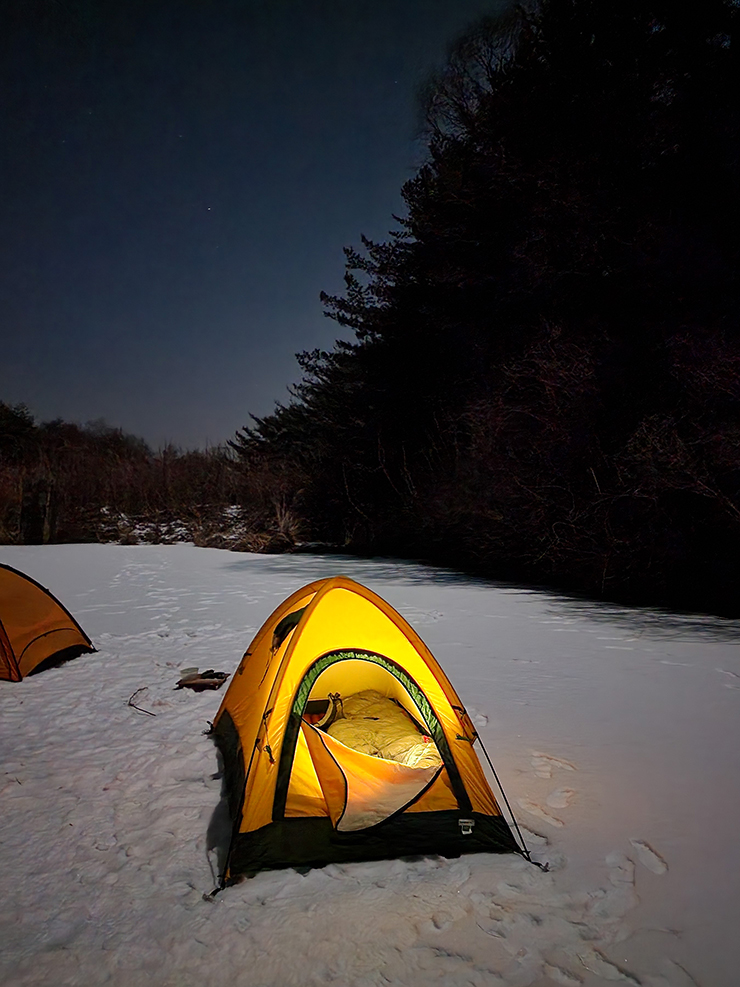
x: 545, y: 377
x: 64, y: 482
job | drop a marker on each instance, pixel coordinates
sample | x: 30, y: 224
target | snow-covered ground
x: 615, y: 732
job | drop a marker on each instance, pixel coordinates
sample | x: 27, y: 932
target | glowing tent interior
x: 342, y: 739
x: 35, y: 629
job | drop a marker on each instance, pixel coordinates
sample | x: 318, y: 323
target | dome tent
x: 300, y: 796
x: 35, y: 629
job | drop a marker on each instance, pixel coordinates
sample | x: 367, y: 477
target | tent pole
x: 525, y: 849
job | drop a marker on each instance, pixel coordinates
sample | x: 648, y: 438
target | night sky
x: 178, y: 181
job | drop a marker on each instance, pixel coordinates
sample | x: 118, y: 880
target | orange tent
x: 303, y: 792
x: 35, y: 629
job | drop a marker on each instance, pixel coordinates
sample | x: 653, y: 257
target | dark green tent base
x: 313, y: 842
x: 60, y: 657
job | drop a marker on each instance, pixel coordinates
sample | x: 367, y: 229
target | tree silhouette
x: 536, y: 384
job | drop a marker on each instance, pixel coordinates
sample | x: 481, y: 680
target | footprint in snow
x: 673, y: 975
x: 649, y: 858
x: 560, y: 976
x: 478, y: 718
x: 621, y: 870
x: 545, y: 764
x: 729, y: 685
x: 533, y: 838
x: 595, y: 962
x: 536, y: 810
x: 560, y: 798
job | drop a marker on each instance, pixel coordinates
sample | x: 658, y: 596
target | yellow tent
x: 35, y: 629
x: 342, y: 739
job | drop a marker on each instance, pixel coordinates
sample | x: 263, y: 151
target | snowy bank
x: 614, y: 732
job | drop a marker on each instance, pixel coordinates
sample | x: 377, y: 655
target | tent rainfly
x: 342, y: 739
x: 35, y: 629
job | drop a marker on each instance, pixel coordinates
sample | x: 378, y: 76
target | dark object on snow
x: 133, y: 705
x: 203, y: 680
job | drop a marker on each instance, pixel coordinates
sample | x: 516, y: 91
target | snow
x: 614, y: 732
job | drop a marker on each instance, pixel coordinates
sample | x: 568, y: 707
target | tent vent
x: 466, y: 826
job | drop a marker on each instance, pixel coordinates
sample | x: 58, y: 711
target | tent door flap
x: 362, y: 790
